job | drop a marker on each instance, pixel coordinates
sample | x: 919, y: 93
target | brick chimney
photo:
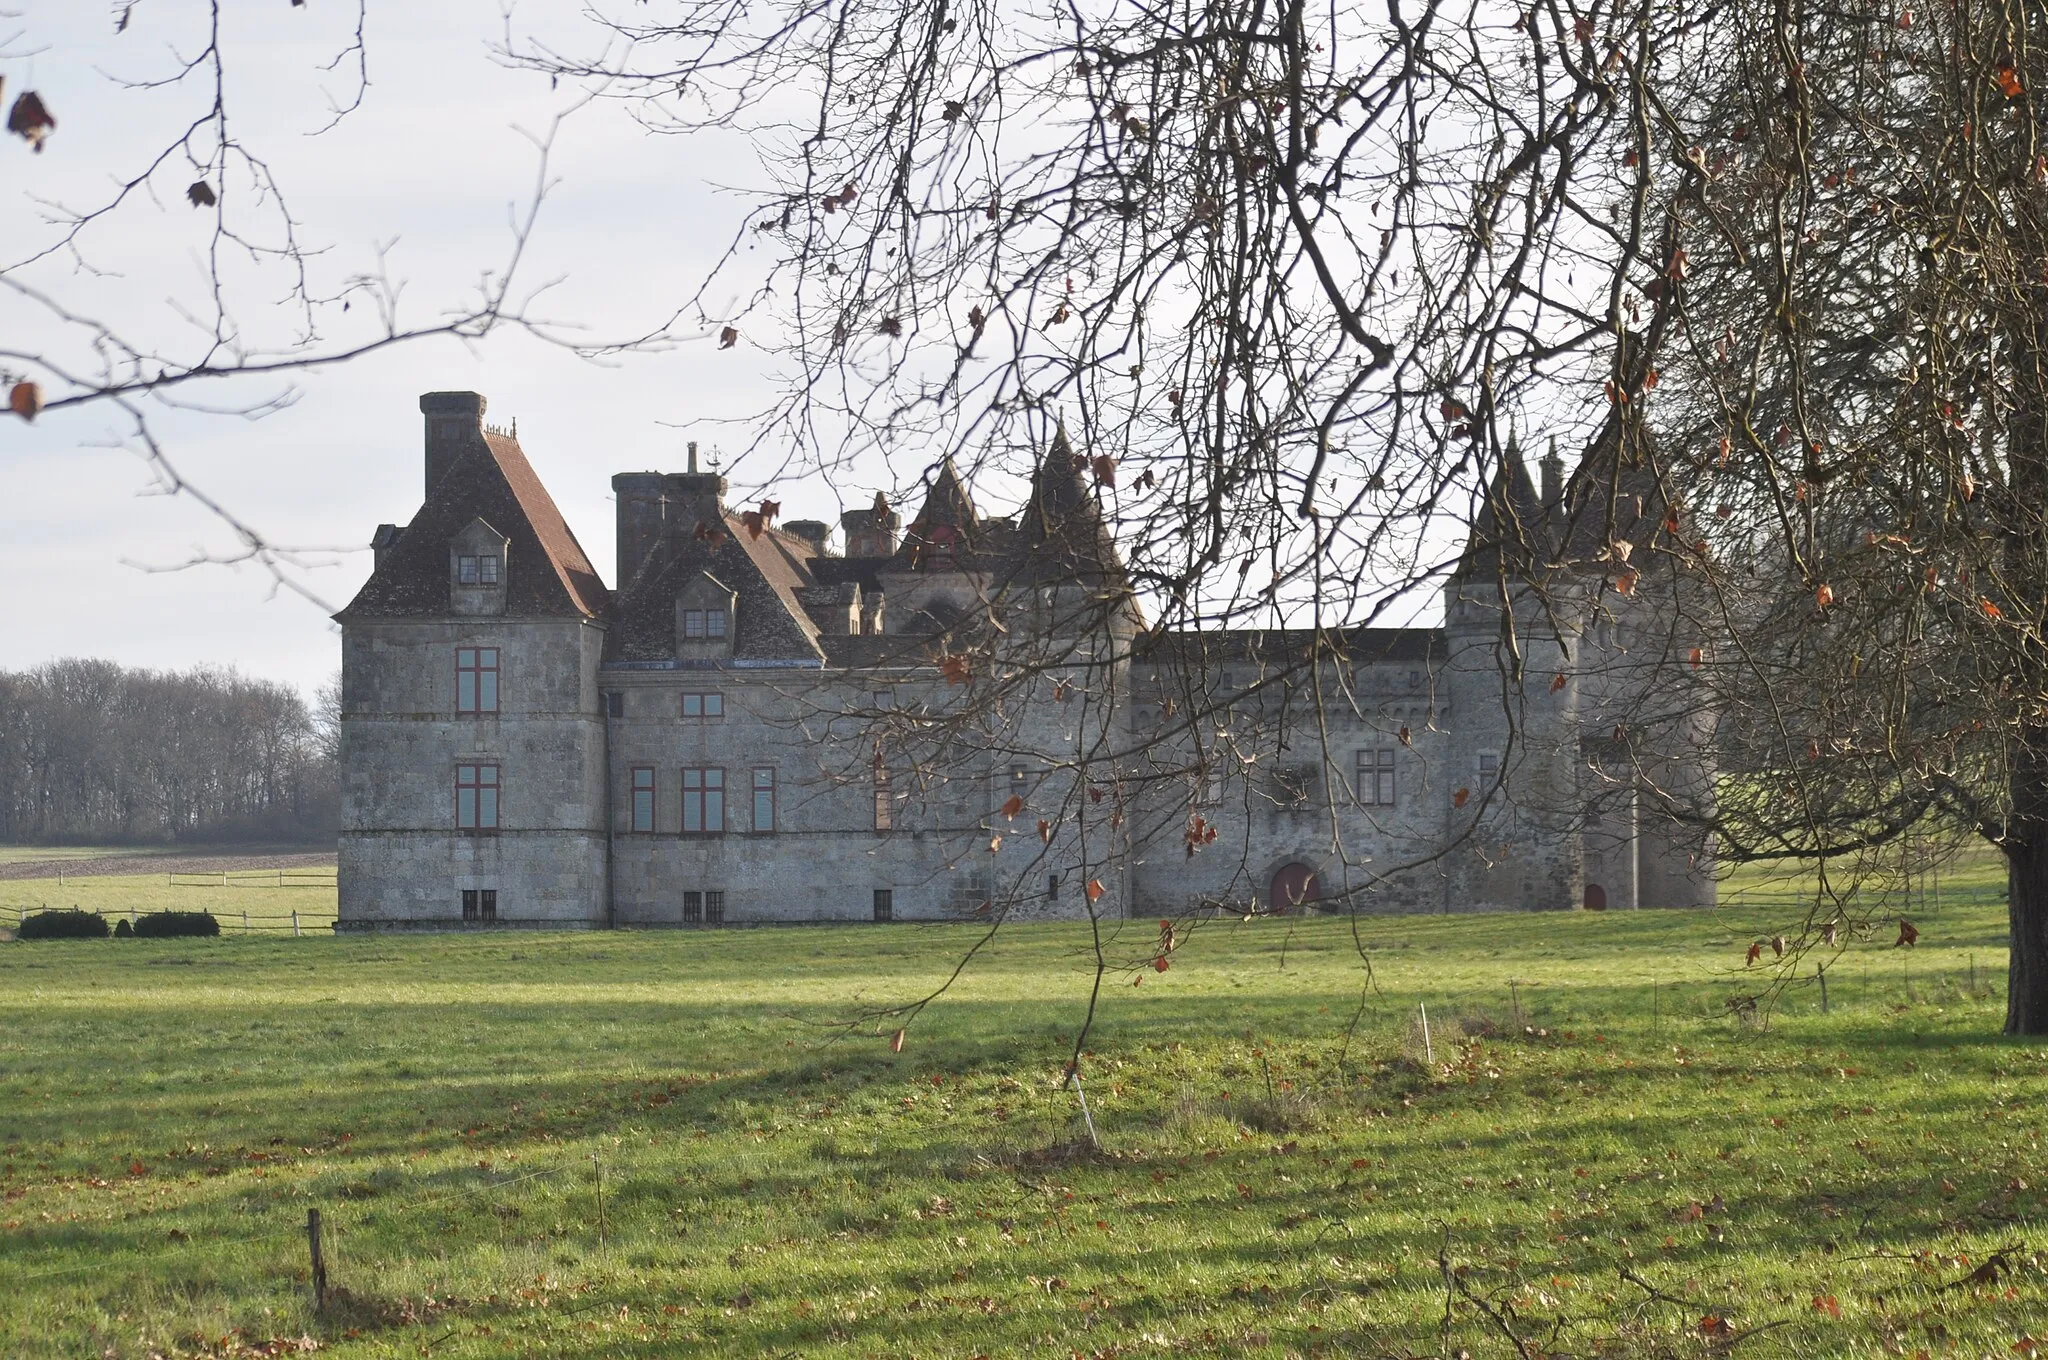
x: 455, y: 426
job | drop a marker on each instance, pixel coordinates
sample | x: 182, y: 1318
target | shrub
x: 160, y: 925
x: 122, y: 930
x: 70, y: 924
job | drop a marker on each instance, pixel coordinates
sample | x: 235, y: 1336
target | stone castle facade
x: 965, y: 716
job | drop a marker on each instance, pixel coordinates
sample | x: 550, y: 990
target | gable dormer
x: 479, y: 565
x: 705, y: 618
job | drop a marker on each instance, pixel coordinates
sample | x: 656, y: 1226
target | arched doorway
x: 1596, y: 897
x: 1294, y: 885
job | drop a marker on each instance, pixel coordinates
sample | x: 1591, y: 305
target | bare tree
x: 1292, y: 275
x: 268, y: 304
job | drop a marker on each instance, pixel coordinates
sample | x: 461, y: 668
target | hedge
x: 69, y: 924
x: 160, y: 925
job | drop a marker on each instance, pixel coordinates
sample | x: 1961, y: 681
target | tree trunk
x: 2026, y: 880
x: 2026, y: 989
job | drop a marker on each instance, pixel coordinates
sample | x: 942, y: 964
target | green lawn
x: 250, y: 901
x: 1270, y: 1183
x: 23, y: 854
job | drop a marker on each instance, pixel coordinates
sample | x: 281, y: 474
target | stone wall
x: 402, y: 860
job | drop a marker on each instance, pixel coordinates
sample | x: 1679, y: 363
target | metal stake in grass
x: 1428, y: 1050
x: 319, y: 1264
x: 597, y: 1176
x: 1074, y: 1076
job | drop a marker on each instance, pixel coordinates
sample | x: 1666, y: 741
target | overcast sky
x: 432, y: 165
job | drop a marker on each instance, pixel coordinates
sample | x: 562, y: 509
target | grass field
x: 253, y: 897
x: 1610, y: 1175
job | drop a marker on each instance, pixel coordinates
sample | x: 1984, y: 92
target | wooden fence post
x: 319, y: 1264
x: 295, y: 922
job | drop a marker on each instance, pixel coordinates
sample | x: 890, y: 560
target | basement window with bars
x: 885, y: 904
x: 479, y: 904
x: 704, y: 908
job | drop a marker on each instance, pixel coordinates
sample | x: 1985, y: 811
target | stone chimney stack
x: 1553, y: 477
x: 871, y: 533
x: 811, y: 531
x: 455, y: 426
x: 643, y: 518
x: 694, y: 498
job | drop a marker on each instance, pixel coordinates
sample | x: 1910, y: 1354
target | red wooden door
x: 1294, y: 885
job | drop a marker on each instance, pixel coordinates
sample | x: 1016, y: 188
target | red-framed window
x: 708, y: 705
x: 643, y: 798
x: 476, y: 797
x: 703, y: 801
x: 764, y: 799
x: 476, y: 679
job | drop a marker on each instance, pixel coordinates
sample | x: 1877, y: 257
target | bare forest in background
x: 93, y: 752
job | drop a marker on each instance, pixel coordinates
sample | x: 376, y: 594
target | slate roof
x: 1291, y: 646
x: 1614, y: 495
x: 1511, y: 533
x: 1063, y: 536
x: 547, y: 573
x: 765, y: 571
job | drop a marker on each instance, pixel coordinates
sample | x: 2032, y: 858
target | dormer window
x: 476, y: 570
x: 704, y: 618
x: 704, y: 625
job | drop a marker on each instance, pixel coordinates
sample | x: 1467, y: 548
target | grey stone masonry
x: 753, y: 728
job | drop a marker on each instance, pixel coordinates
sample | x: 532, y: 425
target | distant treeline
x: 94, y: 752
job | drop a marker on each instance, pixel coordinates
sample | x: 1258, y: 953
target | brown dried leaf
x: 25, y: 400
x: 29, y: 120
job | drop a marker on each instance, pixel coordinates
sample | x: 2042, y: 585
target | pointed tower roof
x: 944, y: 529
x: 1064, y: 536
x: 1509, y: 533
x: 1614, y: 496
